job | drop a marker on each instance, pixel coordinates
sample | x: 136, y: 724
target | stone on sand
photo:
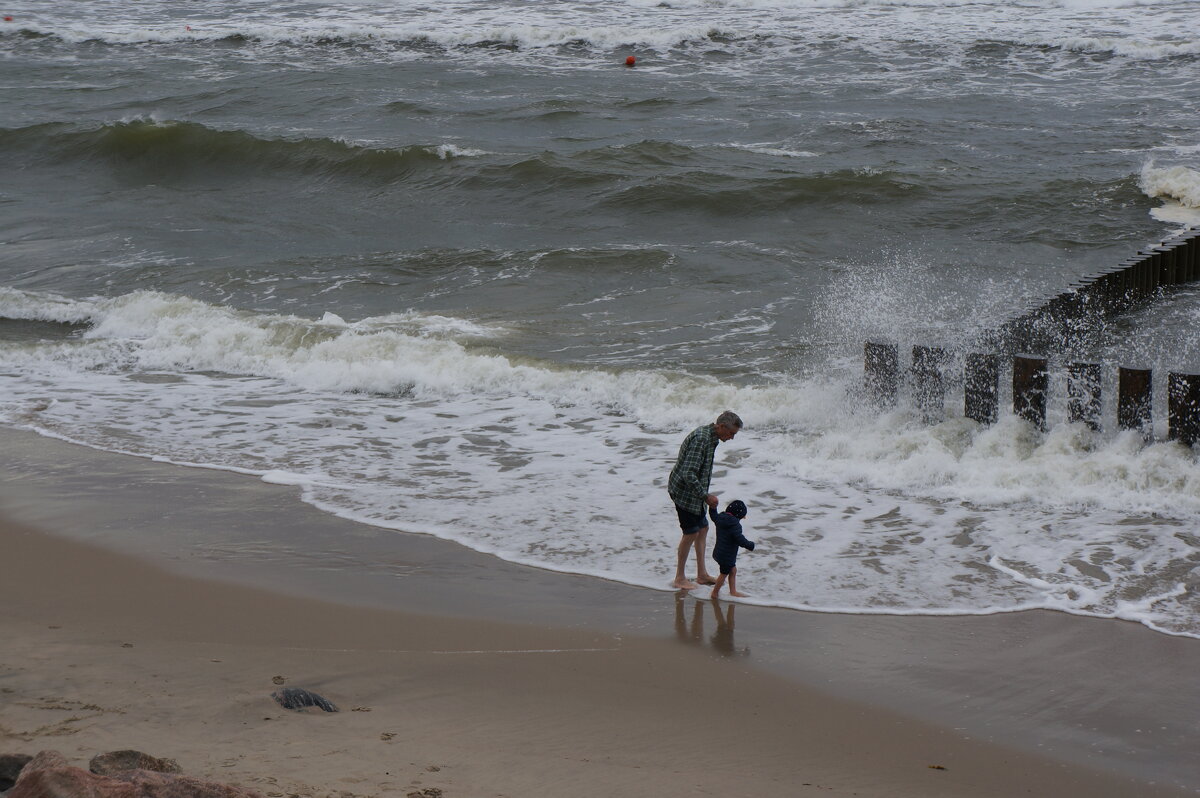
x: 49, y: 775
x: 10, y: 769
x: 299, y: 698
x: 117, y: 761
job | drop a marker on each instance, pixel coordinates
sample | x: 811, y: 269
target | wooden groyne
x: 1060, y: 321
x: 1022, y: 348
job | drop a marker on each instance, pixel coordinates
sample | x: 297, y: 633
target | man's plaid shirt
x: 688, y: 484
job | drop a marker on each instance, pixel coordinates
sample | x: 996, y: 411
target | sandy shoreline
x: 103, y: 650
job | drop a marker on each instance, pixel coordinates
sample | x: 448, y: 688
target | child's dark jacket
x: 729, y: 537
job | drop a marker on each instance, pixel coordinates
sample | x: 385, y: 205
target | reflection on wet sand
x: 692, y: 630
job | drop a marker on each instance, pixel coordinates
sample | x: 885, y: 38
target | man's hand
x: 711, y: 500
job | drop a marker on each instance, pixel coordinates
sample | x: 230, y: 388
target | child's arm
x: 712, y: 513
x: 743, y: 541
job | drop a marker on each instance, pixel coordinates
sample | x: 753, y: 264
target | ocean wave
x: 1133, y: 49
x: 408, y: 354
x: 808, y: 5
x: 1127, y: 47
x: 1178, y: 183
x: 1130, y: 28
x: 767, y: 149
x: 448, y: 151
x: 184, y: 148
x: 718, y: 192
x: 661, y: 171
x: 33, y: 306
x: 644, y: 174
x: 392, y: 36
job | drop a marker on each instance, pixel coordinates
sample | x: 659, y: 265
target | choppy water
x: 456, y: 269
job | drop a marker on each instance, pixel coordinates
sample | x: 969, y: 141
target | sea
x: 458, y: 269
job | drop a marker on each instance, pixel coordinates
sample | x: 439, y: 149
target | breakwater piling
x: 1060, y: 321
x: 1027, y: 353
x: 933, y: 373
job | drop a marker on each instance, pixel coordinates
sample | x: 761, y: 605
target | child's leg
x: 717, y: 587
x: 733, y: 591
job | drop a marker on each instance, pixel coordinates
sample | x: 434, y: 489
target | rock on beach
x: 49, y: 775
x: 117, y: 761
x: 10, y: 769
x: 299, y: 698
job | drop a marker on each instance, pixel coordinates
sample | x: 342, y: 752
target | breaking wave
x: 190, y: 148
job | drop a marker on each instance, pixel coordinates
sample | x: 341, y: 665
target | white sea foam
x: 447, y: 151
x: 456, y: 34
x: 1179, y: 189
x: 333, y: 320
x: 1172, y: 212
x: 406, y: 423
x: 766, y: 149
x: 1128, y: 29
x: 397, y: 353
x: 1133, y: 49
x: 1178, y: 183
x: 18, y: 304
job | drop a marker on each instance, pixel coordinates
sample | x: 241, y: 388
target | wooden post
x: 1083, y: 393
x: 881, y: 367
x: 1133, y: 400
x: 1112, y: 289
x: 1183, y: 408
x: 1127, y: 278
x: 1137, y: 285
x: 981, y: 388
x: 1191, y: 260
x: 1030, y: 381
x: 929, y: 388
x: 1127, y: 282
x: 1147, y: 272
x: 1154, y: 270
x: 1168, y: 270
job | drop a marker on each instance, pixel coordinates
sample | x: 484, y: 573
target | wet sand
x: 167, y: 600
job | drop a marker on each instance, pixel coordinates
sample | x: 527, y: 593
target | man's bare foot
x: 705, y: 579
x: 684, y: 584
x: 736, y: 593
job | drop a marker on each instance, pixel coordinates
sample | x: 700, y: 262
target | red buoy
x: 630, y: 61
x: 8, y: 19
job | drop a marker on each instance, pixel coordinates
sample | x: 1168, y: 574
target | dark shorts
x: 727, y: 566
x: 689, y: 522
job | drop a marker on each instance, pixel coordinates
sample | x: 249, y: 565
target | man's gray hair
x: 729, y: 420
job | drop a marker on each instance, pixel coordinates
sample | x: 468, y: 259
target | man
x: 688, y: 488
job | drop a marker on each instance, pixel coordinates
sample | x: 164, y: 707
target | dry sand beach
x: 475, y: 681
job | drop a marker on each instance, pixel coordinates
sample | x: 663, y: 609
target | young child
x: 729, y: 537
